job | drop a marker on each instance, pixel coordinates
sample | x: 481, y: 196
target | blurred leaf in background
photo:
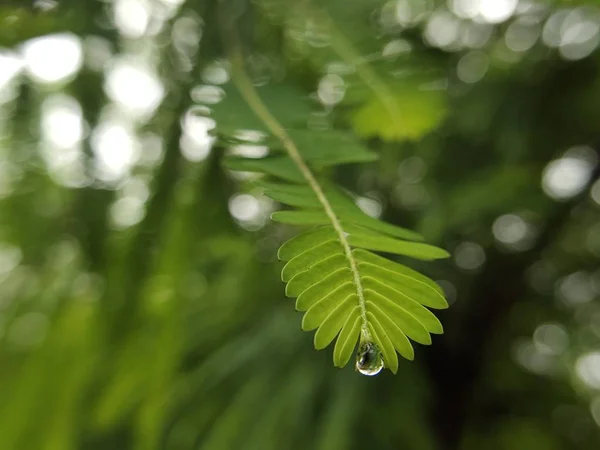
x: 141, y: 305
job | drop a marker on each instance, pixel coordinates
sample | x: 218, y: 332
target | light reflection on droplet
x: 369, y: 360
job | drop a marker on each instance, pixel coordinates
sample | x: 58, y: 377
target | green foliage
x: 384, y: 104
x: 146, y: 311
x: 418, y: 111
x: 345, y: 290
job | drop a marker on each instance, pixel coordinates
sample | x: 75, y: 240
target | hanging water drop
x: 368, y: 359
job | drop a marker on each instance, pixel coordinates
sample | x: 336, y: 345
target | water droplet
x: 368, y: 359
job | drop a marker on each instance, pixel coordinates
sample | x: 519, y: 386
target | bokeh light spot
x: 116, y: 149
x: 52, y: 58
x: 370, y: 206
x: 587, y: 368
x: 472, y: 67
x: 566, y: 177
x: 551, y: 339
x: 469, y: 256
x: 134, y: 86
x: 131, y: 17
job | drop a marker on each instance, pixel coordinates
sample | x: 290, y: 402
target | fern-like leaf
x: 344, y: 289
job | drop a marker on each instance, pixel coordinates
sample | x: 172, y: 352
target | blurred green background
x: 140, y: 300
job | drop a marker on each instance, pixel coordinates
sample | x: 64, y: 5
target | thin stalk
x: 248, y: 91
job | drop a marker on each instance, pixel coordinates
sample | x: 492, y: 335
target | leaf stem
x: 248, y: 91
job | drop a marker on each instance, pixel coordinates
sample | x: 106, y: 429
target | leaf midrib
x: 250, y: 95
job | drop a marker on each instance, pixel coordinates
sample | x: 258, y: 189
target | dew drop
x: 368, y: 359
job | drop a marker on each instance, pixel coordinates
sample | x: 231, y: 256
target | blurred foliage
x: 140, y: 300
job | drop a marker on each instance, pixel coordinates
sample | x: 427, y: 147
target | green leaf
x: 420, y: 111
x: 330, y: 147
x: 342, y: 204
x: 309, y: 258
x: 333, y: 323
x: 347, y: 338
x: 323, y: 268
x: 388, y: 245
x: 304, y: 217
x: 233, y: 113
x: 305, y: 241
x: 346, y: 292
x: 396, y: 335
x: 278, y: 166
x: 387, y: 348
